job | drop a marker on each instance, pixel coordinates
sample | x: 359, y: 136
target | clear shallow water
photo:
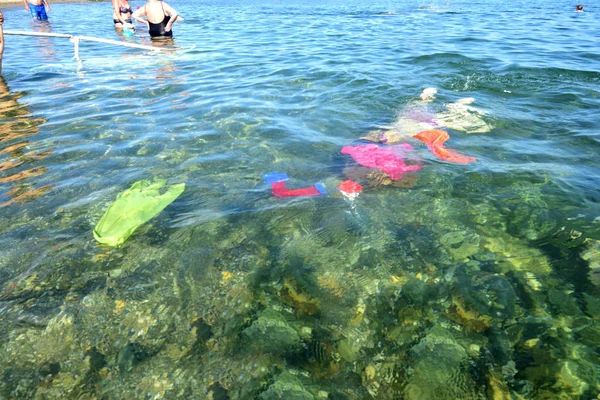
x: 471, y: 281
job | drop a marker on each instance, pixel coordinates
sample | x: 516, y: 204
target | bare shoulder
x: 167, y: 7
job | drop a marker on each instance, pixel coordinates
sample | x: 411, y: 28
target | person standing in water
x: 121, y: 13
x: 37, y: 8
x: 159, y: 18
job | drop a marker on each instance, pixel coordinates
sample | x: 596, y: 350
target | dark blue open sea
x: 476, y: 280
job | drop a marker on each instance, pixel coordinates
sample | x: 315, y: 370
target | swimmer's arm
x: 45, y: 2
x: 137, y: 14
x: 116, y: 11
x: 172, y: 14
x: 26, y: 5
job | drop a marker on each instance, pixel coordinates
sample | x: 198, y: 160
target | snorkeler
x: 418, y: 116
x: 579, y: 8
x: 159, y: 18
x: 389, y: 159
x: 37, y: 8
x: 122, y: 14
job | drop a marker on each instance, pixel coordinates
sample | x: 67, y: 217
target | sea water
x: 457, y: 281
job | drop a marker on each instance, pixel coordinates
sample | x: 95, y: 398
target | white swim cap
x: 428, y: 94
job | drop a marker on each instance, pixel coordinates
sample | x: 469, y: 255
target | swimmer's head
x: 579, y: 8
x: 428, y: 94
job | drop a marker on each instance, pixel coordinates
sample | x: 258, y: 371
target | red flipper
x: 435, y: 139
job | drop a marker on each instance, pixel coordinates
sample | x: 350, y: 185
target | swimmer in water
x: 579, y: 8
x: 159, y: 18
x: 418, y: 116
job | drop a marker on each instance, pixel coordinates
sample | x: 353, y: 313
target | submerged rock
x: 54, y: 357
x: 531, y: 221
x: 592, y: 255
x: 348, y: 350
x: 500, y: 346
x: 563, y: 302
x: 565, y: 379
x: 534, y: 327
x: 514, y: 254
x: 416, y: 292
x: 440, y: 369
x: 271, y: 333
x: 497, y: 389
x: 592, y: 305
x: 589, y: 335
x: 286, y: 387
x: 504, y: 297
x: 460, y: 244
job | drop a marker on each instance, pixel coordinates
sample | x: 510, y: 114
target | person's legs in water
x: 414, y: 117
x: 38, y: 12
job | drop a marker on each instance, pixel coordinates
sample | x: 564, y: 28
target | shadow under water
x: 18, y: 165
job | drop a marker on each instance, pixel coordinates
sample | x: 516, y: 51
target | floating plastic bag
x: 132, y: 208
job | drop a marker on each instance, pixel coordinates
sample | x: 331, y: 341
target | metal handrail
x: 75, y: 39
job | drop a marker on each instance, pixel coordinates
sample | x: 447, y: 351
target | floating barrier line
x: 76, y: 39
x: 27, y: 33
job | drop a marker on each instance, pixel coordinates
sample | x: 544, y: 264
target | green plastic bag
x: 132, y: 208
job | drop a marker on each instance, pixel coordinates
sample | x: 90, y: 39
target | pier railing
x: 75, y: 39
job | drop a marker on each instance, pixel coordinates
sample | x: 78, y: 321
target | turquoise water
x: 458, y: 282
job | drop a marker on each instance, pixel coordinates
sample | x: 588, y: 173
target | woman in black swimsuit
x: 159, y: 18
x: 121, y: 13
